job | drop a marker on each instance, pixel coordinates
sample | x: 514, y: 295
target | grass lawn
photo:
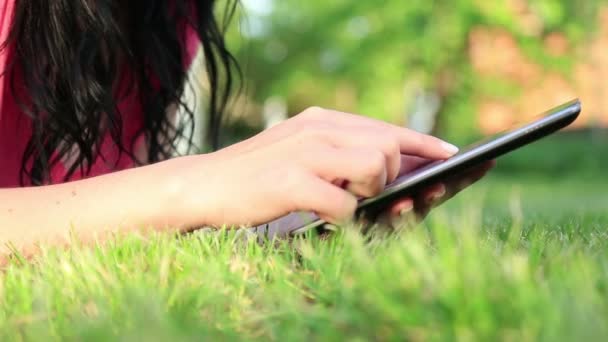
x: 521, y: 256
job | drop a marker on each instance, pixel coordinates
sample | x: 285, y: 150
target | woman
x: 87, y: 128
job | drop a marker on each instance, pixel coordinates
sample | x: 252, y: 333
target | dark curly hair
x: 68, y: 53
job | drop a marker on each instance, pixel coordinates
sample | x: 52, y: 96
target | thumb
x: 330, y: 202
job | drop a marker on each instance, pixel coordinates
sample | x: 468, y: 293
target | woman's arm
x: 319, y: 161
x: 95, y: 207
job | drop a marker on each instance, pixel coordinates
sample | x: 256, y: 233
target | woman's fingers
x: 410, y: 142
x: 400, y: 214
x: 429, y: 198
x: 329, y: 202
x: 401, y: 207
x: 433, y: 194
x: 439, y: 193
x: 363, y: 169
x: 357, y: 138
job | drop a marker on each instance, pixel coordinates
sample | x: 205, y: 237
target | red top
x: 15, y: 129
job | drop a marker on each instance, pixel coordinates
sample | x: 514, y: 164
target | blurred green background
x: 458, y: 69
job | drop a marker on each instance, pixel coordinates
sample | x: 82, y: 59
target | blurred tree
x: 382, y: 58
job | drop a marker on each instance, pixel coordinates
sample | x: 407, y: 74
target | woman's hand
x: 320, y: 161
x: 408, y: 211
x: 404, y: 212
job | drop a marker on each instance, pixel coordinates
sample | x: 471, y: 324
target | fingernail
x: 451, y: 149
x: 406, y: 210
x: 436, y: 196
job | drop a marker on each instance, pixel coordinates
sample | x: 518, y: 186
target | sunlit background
x: 457, y: 69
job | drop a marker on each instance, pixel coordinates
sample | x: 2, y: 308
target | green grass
x: 513, y: 258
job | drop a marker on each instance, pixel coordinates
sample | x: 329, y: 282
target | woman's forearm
x: 89, y: 209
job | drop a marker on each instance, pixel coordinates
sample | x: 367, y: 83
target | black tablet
x: 485, y: 150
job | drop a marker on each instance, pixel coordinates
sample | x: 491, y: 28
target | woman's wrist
x: 181, y: 205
